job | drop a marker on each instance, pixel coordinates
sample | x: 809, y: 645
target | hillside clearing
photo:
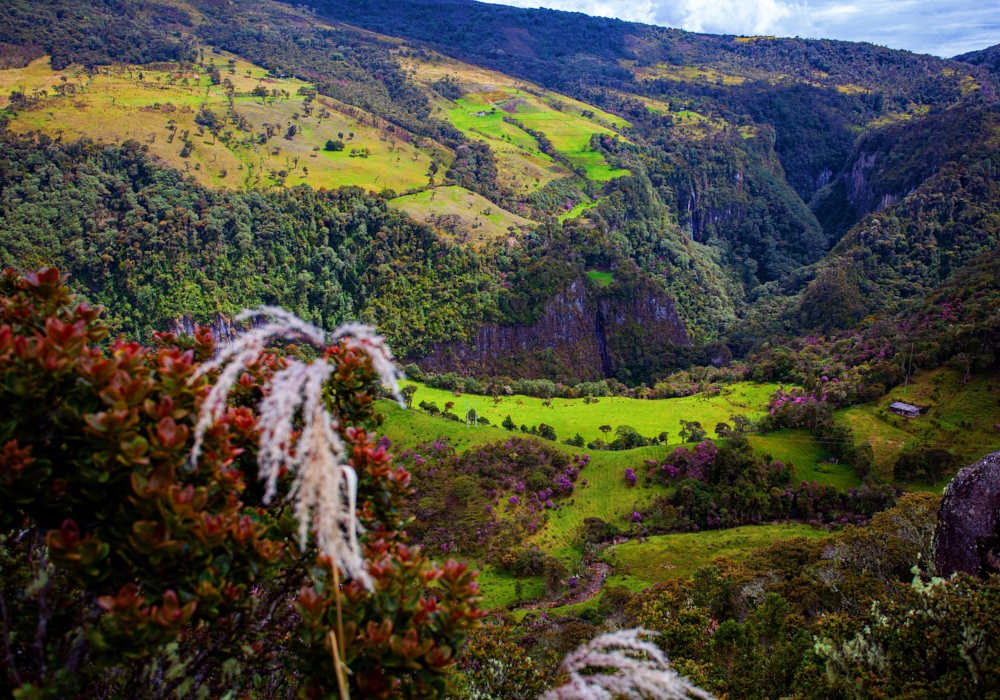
x: 461, y: 215
x: 650, y: 418
x: 262, y: 142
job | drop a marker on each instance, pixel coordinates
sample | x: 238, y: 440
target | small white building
x: 905, y: 410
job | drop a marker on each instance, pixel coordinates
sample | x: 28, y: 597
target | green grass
x: 641, y: 565
x: 499, y: 588
x: 601, y: 277
x: 113, y: 105
x: 568, y: 130
x: 665, y: 557
x: 800, y: 448
x: 960, y: 418
x: 572, y: 416
x: 469, y: 207
x: 577, y: 210
x: 606, y: 495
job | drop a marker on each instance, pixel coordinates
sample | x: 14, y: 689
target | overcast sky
x: 941, y: 27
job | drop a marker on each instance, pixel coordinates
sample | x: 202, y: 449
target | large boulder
x: 968, y: 535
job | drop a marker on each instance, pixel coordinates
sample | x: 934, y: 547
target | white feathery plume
x: 325, y: 487
x: 359, y: 336
x: 637, y: 677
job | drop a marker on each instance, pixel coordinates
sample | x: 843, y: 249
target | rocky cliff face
x: 968, y: 535
x: 583, y: 332
x: 224, y: 330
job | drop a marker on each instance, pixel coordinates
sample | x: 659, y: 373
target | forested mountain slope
x: 742, y: 177
x: 988, y: 58
x: 812, y: 92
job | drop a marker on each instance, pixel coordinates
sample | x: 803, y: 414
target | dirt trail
x: 598, y: 573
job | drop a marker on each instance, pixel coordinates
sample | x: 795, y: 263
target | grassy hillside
x: 249, y: 148
x: 461, y: 215
x: 961, y: 416
x: 572, y: 416
x: 799, y: 448
x: 489, y: 96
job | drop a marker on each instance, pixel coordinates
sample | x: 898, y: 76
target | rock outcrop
x: 224, y: 330
x: 968, y: 536
x: 586, y: 333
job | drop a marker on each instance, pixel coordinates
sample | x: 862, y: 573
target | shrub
x: 158, y: 561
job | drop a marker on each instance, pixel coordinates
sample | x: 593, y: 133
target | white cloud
x: 941, y: 27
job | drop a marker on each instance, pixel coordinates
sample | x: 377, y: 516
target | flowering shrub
x: 683, y: 463
x: 727, y: 487
x: 121, y: 553
x: 630, y: 476
x: 522, y: 475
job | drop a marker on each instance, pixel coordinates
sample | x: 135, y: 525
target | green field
x: 665, y: 557
x: 570, y: 134
x: 499, y: 587
x: 641, y: 565
x: 159, y: 108
x: 605, y: 496
x: 482, y: 113
x: 960, y: 418
x: 800, y: 448
x: 572, y: 416
x: 603, y: 278
x: 478, y: 219
x: 576, y: 211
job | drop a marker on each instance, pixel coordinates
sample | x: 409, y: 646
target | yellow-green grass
x: 480, y: 113
x: 560, y: 117
x: 604, y: 278
x: 479, y: 219
x: 960, y: 418
x: 685, y: 74
x: 650, y: 418
x: 570, y: 134
x: 577, y: 210
x: 606, y: 496
x: 521, y: 166
x: 665, y: 557
x: 800, y: 448
x: 114, y: 105
x: 499, y: 587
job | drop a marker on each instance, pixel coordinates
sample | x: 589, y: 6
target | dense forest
x: 769, y: 240
x: 746, y: 220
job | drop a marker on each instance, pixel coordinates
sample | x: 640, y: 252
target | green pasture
x: 799, y: 448
x: 961, y: 417
x: 572, y: 416
x: 479, y: 218
x: 604, y: 278
x: 481, y: 113
x: 499, y: 587
x: 642, y: 564
x: 661, y: 558
x: 159, y: 108
x: 606, y: 495
x: 577, y: 210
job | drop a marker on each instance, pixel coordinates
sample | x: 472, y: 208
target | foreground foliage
x: 130, y: 571
x: 849, y: 616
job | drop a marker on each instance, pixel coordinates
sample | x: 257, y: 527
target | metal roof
x: 905, y: 406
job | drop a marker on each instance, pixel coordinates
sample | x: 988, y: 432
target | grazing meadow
x: 262, y: 141
x: 460, y: 215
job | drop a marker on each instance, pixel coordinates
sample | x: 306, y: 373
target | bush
x: 152, y: 563
x: 332, y: 145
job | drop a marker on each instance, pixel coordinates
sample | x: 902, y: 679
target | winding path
x: 598, y: 573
